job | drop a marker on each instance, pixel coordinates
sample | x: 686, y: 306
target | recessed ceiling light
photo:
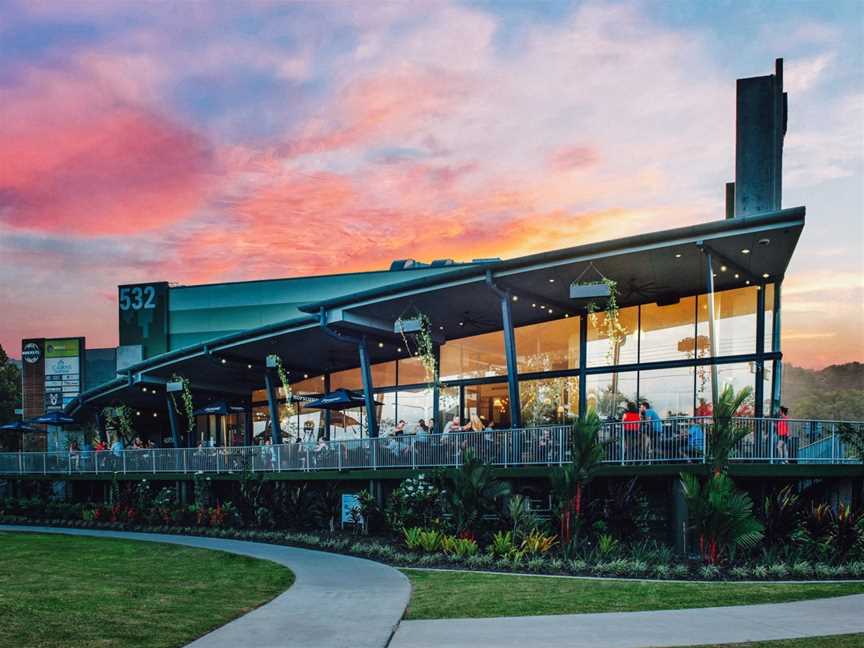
x: 551, y: 281
x: 722, y: 268
x: 747, y: 282
x: 745, y: 251
x: 399, y: 349
x: 736, y: 275
x: 677, y: 255
x: 515, y: 298
x: 441, y: 328
x: 380, y: 345
x: 224, y: 361
x: 765, y: 275
x: 137, y: 413
x: 714, y: 274
x: 305, y: 375
x: 461, y: 323
x: 566, y: 314
x: 550, y: 311
x: 144, y: 389
x: 764, y: 241
x: 248, y: 366
x: 542, y: 307
x: 533, y: 305
x: 155, y: 415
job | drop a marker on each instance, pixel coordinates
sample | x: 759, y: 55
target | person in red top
x: 631, y: 420
x: 783, y: 435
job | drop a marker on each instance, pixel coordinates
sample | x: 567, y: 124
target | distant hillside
x: 15, y: 362
x: 835, y: 392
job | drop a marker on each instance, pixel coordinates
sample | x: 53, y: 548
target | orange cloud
x: 77, y: 158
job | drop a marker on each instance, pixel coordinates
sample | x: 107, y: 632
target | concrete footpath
x: 335, y: 602
x: 665, y: 628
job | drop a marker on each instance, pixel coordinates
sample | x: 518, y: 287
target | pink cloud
x: 78, y: 158
x: 571, y: 158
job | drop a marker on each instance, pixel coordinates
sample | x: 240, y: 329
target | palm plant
x: 568, y: 482
x: 780, y: 512
x: 725, y: 434
x: 470, y: 491
x: 721, y: 516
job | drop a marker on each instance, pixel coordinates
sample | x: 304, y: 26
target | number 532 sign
x: 144, y: 317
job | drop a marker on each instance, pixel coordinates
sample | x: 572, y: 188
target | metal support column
x: 172, y: 420
x: 759, y: 392
x: 777, y: 374
x: 436, y: 391
x: 509, y: 352
x: 328, y: 414
x: 712, y: 333
x: 247, y: 427
x: 368, y: 396
x: 583, y: 366
x: 270, y: 381
x: 100, y: 427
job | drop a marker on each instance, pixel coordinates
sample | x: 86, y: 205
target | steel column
x: 273, y: 404
x: 777, y: 374
x: 328, y: 414
x: 436, y: 390
x: 759, y: 392
x: 247, y: 427
x: 583, y: 366
x: 712, y: 333
x: 172, y: 420
x: 368, y: 396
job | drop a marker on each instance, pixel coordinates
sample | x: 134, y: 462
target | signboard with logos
x: 144, y: 317
x: 62, y: 371
x: 351, y: 509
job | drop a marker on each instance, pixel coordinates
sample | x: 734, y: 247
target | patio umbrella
x: 19, y: 426
x: 219, y: 408
x: 53, y: 418
x: 338, y: 400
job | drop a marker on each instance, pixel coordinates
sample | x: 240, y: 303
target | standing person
x: 399, y: 430
x: 653, y: 432
x: 631, y: 421
x: 783, y: 435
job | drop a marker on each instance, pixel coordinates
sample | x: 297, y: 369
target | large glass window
x: 602, y: 353
x: 414, y: 404
x: 738, y: 375
x: 387, y: 414
x: 769, y: 318
x: 448, y: 407
x: 491, y: 403
x: 667, y: 332
x: 383, y: 374
x: 348, y: 379
x: 549, y: 401
x: 608, y: 394
x: 548, y: 346
x: 411, y: 371
x: 669, y: 391
x: 474, y: 357
x: 735, y: 320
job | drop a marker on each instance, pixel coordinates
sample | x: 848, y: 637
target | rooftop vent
x: 437, y: 263
x: 402, y: 264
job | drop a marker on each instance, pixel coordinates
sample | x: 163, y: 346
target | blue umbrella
x: 19, y: 426
x: 338, y: 400
x: 219, y: 408
x: 53, y: 418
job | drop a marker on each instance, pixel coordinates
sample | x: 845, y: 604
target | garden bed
x: 391, y: 553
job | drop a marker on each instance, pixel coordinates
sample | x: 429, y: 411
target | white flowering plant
x: 416, y: 502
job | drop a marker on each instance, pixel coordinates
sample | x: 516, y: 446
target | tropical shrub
x: 502, y: 544
x: 726, y: 432
x: 411, y: 538
x: 779, y: 513
x: 537, y: 543
x: 458, y: 547
x: 721, y: 516
x: 430, y: 540
x: 470, y: 491
x: 414, y: 503
x: 521, y: 516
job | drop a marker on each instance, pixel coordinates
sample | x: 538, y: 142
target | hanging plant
x: 421, y: 327
x: 286, y: 386
x: 188, y: 406
x: 120, y: 418
x: 613, y: 329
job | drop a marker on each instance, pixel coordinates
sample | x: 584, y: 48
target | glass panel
x: 474, y: 357
x: 769, y: 317
x: 448, y: 407
x: 386, y: 413
x: 308, y: 387
x: 735, y: 317
x: 414, y: 405
x: 490, y: 403
x: 600, y: 352
x: 348, y: 379
x: 411, y: 372
x: 348, y: 424
x: 384, y: 374
x: 667, y: 332
x: 259, y: 396
x: 549, y: 401
x: 608, y: 394
x: 739, y: 375
x: 766, y: 388
x: 548, y: 346
x: 669, y: 391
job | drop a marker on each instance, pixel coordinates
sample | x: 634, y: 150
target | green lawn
x: 454, y: 595
x: 834, y: 641
x: 70, y: 592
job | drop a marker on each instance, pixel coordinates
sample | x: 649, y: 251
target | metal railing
x: 667, y: 441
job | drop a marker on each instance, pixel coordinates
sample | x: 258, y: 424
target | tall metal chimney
x: 760, y: 126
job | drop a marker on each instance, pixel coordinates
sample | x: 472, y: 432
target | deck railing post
x: 44, y: 463
x: 339, y: 447
x: 833, y: 445
x: 560, y: 446
x: 623, y: 446
x: 124, y: 461
x: 20, y: 463
x: 154, y: 460
x: 185, y: 467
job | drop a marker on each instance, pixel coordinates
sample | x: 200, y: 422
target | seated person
x: 695, y: 440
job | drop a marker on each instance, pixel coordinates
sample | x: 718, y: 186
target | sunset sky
x: 205, y: 142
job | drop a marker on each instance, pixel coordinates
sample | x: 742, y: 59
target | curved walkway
x: 335, y: 602
x: 721, y: 625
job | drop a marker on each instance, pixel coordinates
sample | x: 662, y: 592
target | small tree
x: 721, y: 516
x: 569, y: 481
x: 725, y: 433
x: 470, y: 491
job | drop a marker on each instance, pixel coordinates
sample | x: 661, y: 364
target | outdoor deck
x: 670, y: 442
